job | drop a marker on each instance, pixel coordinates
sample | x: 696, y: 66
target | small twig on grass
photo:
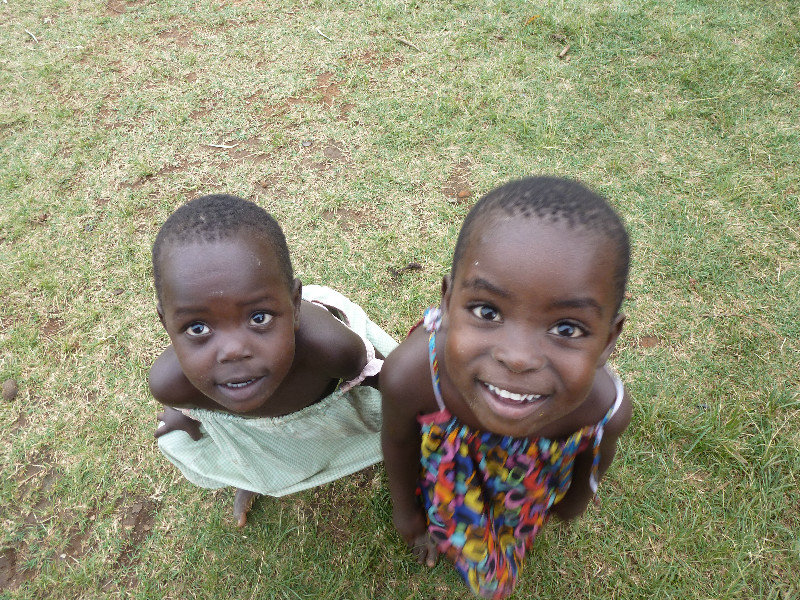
x: 405, y: 42
x: 223, y: 146
x: 33, y: 36
x: 563, y: 53
x: 323, y: 35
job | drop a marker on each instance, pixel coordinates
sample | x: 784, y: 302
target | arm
x: 576, y: 500
x: 170, y: 387
x: 336, y: 349
x: 400, y: 440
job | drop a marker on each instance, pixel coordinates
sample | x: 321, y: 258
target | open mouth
x: 235, y: 385
x: 512, y: 396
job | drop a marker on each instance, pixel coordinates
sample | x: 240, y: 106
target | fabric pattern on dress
x: 485, y: 495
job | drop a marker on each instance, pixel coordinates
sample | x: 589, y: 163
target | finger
x: 160, y: 430
x: 194, y: 432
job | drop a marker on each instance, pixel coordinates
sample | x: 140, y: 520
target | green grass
x: 683, y: 113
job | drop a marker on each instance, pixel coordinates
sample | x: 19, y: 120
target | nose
x: 520, y: 353
x: 232, y: 347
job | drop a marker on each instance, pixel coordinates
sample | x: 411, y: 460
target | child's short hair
x: 553, y: 199
x: 218, y: 217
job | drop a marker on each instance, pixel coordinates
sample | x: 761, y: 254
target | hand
x: 175, y: 420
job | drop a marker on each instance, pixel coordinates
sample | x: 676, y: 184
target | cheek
x: 194, y: 361
x: 460, y: 349
x: 279, y: 350
x: 578, y: 376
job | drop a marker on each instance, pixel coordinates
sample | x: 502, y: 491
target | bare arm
x: 335, y: 348
x: 170, y: 387
x: 576, y: 500
x: 400, y: 440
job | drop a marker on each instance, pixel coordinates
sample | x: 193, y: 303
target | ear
x: 160, y: 312
x: 613, y: 335
x: 297, y: 298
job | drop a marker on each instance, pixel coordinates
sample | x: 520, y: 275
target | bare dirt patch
x: 108, y: 111
x: 52, y: 328
x: 115, y: 7
x: 178, y: 37
x: 204, y: 110
x: 12, y: 573
x: 345, y: 110
x: 458, y: 188
x: 332, y: 152
x: 273, y: 186
x: 392, y: 62
x: 136, y: 516
x: 249, y: 150
x: 19, y: 424
x: 648, y: 341
x: 36, y: 479
x: 352, y: 219
x: 329, y: 89
x: 137, y: 521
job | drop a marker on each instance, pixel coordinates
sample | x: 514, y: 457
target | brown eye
x: 198, y: 329
x: 568, y: 330
x: 260, y: 318
x: 486, y: 313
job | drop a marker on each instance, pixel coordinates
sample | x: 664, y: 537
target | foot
x: 241, y: 506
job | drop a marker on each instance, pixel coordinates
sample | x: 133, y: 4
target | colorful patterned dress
x: 487, y: 495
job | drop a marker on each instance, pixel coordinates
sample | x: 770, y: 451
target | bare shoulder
x: 622, y: 417
x: 405, y: 377
x: 169, y: 385
x: 327, y: 343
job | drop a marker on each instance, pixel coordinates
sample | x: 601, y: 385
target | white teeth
x: 239, y: 385
x: 511, y: 395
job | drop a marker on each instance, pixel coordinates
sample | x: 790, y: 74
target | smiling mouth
x: 236, y: 385
x: 511, y: 396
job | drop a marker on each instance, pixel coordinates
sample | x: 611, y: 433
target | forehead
x: 229, y: 263
x: 532, y: 254
x: 241, y: 244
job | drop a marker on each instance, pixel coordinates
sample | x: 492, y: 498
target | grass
x: 113, y: 113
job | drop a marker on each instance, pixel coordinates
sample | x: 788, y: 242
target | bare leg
x: 241, y: 506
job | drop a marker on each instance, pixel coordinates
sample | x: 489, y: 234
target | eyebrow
x: 192, y: 309
x: 189, y: 310
x: 479, y: 283
x: 585, y: 302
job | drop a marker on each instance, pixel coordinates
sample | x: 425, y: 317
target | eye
x: 260, y: 318
x: 568, y: 330
x: 198, y: 329
x: 486, y: 313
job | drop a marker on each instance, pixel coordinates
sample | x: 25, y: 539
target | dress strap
x: 432, y: 321
x: 598, y: 436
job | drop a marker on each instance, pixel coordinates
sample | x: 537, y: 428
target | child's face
x: 231, y: 318
x: 529, y: 318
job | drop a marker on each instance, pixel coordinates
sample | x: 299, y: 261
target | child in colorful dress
x: 266, y: 382
x: 500, y: 410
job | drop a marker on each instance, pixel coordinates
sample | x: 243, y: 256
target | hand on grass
x: 175, y: 420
